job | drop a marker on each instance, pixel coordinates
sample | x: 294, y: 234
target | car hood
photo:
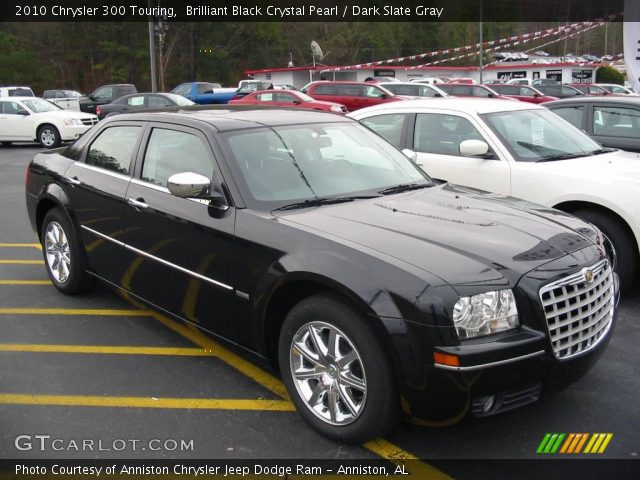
x: 462, y: 235
x: 620, y: 166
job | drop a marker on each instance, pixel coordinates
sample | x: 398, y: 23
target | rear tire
x: 624, y: 246
x: 336, y: 371
x: 63, y: 257
x: 49, y: 136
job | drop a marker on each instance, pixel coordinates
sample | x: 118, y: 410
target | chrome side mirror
x: 188, y: 185
x: 473, y: 148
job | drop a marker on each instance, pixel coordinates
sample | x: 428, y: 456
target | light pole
x: 152, y: 54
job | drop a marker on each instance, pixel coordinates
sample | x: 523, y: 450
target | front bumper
x: 500, y: 372
x: 73, y: 132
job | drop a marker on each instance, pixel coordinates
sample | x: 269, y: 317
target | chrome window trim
x: 111, y: 173
x: 471, y: 368
x: 224, y: 286
x: 154, y: 186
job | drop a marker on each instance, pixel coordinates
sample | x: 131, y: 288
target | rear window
x: 350, y: 90
x: 127, y: 90
x: 21, y: 92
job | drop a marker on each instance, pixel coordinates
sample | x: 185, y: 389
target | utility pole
x: 481, y: 46
x: 152, y: 54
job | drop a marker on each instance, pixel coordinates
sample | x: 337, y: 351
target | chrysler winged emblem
x: 588, y: 276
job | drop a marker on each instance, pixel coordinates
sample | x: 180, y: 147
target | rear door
x: 96, y: 185
x: 436, y: 138
x: 616, y: 126
x: 183, y: 248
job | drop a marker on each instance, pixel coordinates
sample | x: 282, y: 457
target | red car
x: 353, y: 95
x: 523, y: 93
x: 288, y: 98
x: 468, y: 90
x: 465, y: 80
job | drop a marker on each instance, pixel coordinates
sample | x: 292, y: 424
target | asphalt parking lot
x: 101, y: 367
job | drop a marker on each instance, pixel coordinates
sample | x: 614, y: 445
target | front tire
x: 49, y: 136
x: 63, y: 257
x: 624, y: 248
x: 336, y: 371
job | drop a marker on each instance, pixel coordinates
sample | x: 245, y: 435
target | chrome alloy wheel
x: 328, y: 373
x: 57, y: 251
x: 48, y: 137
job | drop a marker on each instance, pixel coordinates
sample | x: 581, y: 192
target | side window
x: 325, y: 90
x: 573, y: 115
x: 158, y: 102
x: 568, y: 92
x: 105, y: 92
x: 389, y: 126
x: 10, y: 108
x: 184, y: 89
x: 616, y: 122
x: 526, y: 92
x: 373, y: 92
x: 136, y: 101
x: 114, y: 148
x: 350, y: 90
x: 171, y: 151
x: 442, y: 134
x: 205, y: 88
x: 480, y: 92
x: 285, y: 98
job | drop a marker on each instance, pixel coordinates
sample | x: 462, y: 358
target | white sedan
x: 522, y: 150
x: 25, y: 119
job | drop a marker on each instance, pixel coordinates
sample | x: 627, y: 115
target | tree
x: 608, y: 74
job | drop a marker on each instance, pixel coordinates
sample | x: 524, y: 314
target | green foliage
x: 607, y: 74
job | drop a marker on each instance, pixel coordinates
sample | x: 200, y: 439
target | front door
x: 183, y: 248
x: 13, y: 126
x: 436, y: 140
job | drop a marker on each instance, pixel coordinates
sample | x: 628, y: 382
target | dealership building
x: 300, y: 76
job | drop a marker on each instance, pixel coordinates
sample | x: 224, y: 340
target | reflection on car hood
x: 616, y: 165
x: 462, y: 235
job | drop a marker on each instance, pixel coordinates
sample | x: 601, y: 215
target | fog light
x: 488, y: 403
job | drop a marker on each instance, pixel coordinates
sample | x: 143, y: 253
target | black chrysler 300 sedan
x: 307, y: 238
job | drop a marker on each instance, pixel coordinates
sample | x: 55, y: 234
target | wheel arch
x: 53, y: 196
x: 575, y: 205
x: 295, y: 288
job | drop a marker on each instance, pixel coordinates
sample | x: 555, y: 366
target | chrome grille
x: 578, y: 312
x: 90, y: 121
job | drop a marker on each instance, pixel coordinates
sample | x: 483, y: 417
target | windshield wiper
x: 600, y: 151
x: 317, y: 202
x: 404, y: 187
x: 564, y: 156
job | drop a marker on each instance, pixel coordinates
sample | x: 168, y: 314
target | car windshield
x: 304, y: 97
x: 285, y: 164
x: 179, y: 100
x: 38, y: 105
x: 72, y: 94
x: 539, y: 135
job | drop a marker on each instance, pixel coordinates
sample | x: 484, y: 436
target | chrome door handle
x: 137, y: 203
x: 72, y: 180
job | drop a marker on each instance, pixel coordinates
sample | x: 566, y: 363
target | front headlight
x: 484, y: 314
x: 72, y: 121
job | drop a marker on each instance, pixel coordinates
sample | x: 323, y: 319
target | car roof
x: 461, y: 104
x: 628, y: 100
x: 229, y: 117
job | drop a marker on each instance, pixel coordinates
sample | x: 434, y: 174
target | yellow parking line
x: 147, y: 402
x: 76, y: 311
x: 265, y: 379
x: 21, y: 245
x: 21, y: 262
x: 397, y: 455
x: 381, y: 447
x: 25, y: 282
x: 105, y: 349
